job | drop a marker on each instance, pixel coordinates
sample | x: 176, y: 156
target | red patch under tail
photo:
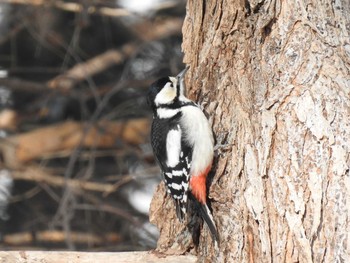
x: 198, y: 185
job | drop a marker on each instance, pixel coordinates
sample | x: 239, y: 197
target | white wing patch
x: 173, y: 147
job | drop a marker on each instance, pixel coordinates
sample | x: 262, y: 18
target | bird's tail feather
x: 180, y: 210
x: 199, y: 213
x: 208, y: 218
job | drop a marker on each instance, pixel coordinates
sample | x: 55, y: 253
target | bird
x: 183, y: 145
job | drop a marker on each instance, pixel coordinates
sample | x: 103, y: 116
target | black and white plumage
x: 183, y: 145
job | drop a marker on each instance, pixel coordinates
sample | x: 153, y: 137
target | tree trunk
x: 274, y: 78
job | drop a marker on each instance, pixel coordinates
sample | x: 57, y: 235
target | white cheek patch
x: 166, y: 95
x: 173, y: 80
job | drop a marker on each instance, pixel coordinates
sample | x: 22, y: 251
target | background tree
x: 76, y: 168
x: 274, y: 78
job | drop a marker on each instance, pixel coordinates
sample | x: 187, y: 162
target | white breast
x: 199, y: 134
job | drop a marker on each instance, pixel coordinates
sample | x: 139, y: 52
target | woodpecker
x: 183, y: 145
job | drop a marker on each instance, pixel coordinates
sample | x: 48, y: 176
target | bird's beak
x: 181, y: 75
x: 181, y: 81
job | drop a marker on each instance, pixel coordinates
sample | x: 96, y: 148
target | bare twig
x: 84, y: 70
x: 22, y: 148
x: 89, y: 8
x: 36, y: 174
x: 102, y: 205
x: 55, y: 236
x: 23, y: 85
x: 91, y: 67
x: 160, y: 28
x: 26, y: 195
x: 74, y: 7
x: 129, y: 177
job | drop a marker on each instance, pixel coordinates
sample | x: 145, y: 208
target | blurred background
x: 76, y: 166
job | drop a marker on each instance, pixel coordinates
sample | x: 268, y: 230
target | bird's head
x: 167, y: 91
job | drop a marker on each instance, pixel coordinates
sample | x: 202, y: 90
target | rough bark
x: 274, y: 78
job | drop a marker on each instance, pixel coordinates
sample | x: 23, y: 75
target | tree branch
x: 91, y: 67
x: 36, y: 174
x: 35, y: 144
x: 61, y: 257
x: 56, y: 236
